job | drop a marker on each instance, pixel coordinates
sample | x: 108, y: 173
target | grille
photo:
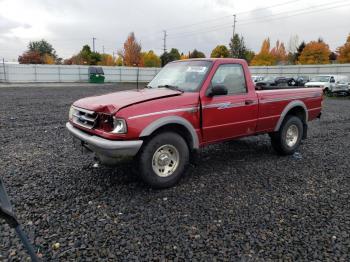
x: 85, y: 118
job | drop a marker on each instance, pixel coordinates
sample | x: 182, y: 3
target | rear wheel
x: 163, y: 160
x: 287, y: 140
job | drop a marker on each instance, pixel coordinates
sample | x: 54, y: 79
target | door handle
x: 249, y: 102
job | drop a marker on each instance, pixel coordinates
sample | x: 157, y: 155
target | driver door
x: 232, y: 115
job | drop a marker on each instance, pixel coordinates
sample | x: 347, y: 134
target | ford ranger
x: 189, y: 104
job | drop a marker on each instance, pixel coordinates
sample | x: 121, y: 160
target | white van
x: 330, y: 83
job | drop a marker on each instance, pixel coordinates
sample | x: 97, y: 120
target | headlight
x: 119, y: 126
x: 71, y: 112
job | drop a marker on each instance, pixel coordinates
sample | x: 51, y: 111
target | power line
x: 227, y: 16
x: 254, y: 20
x: 298, y: 13
x: 296, y: 10
x: 261, y: 19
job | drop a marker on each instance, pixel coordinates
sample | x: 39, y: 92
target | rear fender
x: 286, y: 110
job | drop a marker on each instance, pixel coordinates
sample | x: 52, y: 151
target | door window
x: 232, y: 77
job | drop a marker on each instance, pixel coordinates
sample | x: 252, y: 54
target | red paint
x: 252, y: 113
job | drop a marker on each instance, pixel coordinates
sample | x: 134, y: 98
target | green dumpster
x: 96, y: 74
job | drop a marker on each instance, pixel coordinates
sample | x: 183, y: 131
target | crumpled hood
x: 112, y: 102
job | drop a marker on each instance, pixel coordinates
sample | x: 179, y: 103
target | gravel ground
x: 240, y: 201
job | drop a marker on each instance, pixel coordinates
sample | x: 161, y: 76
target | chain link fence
x: 13, y: 73
x: 2, y: 71
x: 299, y: 70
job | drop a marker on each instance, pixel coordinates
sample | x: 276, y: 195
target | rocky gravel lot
x: 239, y: 201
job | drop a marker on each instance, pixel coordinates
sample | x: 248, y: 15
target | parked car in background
x: 329, y: 83
x: 272, y: 82
x: 257, y: 78
x: 301, y: 80
x: 341, y: 86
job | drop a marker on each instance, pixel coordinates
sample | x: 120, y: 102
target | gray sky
x: 201, y: 24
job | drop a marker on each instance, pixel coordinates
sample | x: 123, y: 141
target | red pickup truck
x: 188, y: 105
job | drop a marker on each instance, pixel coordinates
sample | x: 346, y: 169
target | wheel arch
x: 176, y: 124
x: 297, y: 108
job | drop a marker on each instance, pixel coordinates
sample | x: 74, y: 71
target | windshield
x: 186, y: 76
x: 320, y: 79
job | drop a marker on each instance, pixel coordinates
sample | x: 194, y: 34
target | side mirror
x: 218, y: 90
x: 332, y: 81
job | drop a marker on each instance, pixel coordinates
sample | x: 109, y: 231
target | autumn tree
x: 315, y: 52
x: 131, y: 52
x: 30, y: 57
x: 150, y: 59
x: 264, y: 57
x: 48, y: 59
x: 42, y: 48
x: 196, y: 54
x: 279, y: 53
x: 106, y: 60
x: 344, y: 52
x: 183, y: 56
x: 220, y: 51
x: 119, y: 61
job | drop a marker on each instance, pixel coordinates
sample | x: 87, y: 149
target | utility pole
x: 234, y: 26
x: 93, y: 44
x: 103, y: 49
x: 164, y: 40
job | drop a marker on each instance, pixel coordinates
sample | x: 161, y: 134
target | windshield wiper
x: 171, y: 87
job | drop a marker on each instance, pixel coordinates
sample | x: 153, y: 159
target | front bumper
x: 107, y: 151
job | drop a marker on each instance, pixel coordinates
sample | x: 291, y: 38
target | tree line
x: 131, y: 54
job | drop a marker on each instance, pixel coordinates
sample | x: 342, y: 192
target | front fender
x: 171, y: 120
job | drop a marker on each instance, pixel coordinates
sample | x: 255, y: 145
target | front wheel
x: 287, y: 140
x: 163, y: 160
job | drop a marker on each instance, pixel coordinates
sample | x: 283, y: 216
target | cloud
x: 6, y: 25
x: 68, y: 25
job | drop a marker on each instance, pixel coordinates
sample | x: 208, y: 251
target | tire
x: 283, y: 140
x: 163, y: 160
